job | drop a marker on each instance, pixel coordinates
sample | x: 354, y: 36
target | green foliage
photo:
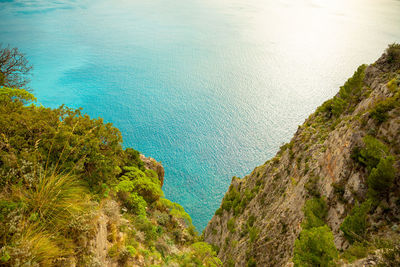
x: 232, y: 198
x: 352, y: 86
x: 380, y: 111
x: 381, y: 178
x: 251, y: 220
x: 393, y: 54
x: 312, y: 187
x: 349, y: 93
x: 176, y: 211
x: 231, y: 225
x: 356, y: 251
x: 393, y: 84
x: 372, y: 152
x: 134, y: 180
x: 253, y: 234
x: 54, y: 199
x: 218, y: 212
x: 355, y: 224
x: 315, y: 211
x: 62, y: 139
x: 315, y: 247
x: 202, y: 254
x: 251, y: 262
x: 391, y: 254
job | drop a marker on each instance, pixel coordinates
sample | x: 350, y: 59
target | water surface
x: 210, y: 88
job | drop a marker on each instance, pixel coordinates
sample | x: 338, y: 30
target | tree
x: 315, y: 247
x: 14, y: 68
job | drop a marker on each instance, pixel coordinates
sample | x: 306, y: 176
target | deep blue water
x: 209, y: 88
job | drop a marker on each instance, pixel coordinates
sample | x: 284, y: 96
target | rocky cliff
x: 336, y: 157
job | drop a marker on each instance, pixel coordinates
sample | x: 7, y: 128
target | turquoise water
x: 210, y: 88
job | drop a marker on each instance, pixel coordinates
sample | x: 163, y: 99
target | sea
x: 211, y: 88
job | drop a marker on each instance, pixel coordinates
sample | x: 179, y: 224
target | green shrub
x: 348, y: 93
x: 233, y: 196
x: 315, y: 211
x: 355, y: 224
x: 315, y: 247
x: 312, y: 187
x: 391, y: 254
x: 372, y: 152
x: 231, y: 225
x: 381, y: 178
x: 393, y: 54
x: 251, y: 262
x: 218, y: 212
x: 202, y: 254
x: 352, y: 86
x: 251, y: 220
x: 356, y: 251
x: 253, y: 234
x: 176, y: 211
x: 380, y: 111
x: 134, y: 180
x: 131, y: 250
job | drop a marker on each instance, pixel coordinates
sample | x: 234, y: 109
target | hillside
x: 70, y: 195
x: 331, y: 195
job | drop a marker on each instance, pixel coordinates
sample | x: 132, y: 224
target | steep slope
x: 335, y: 160
x: 70, y: 195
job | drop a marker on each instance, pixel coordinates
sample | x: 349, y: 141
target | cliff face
x: 261, y: 215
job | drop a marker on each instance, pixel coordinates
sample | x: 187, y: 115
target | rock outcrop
x: 152, y: 164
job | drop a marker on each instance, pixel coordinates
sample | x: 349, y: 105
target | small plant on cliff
x: 371, y: 153
x: 355, y: 224
x: 315, y: 211
x: 348, y: 93
x: 381, y: 178
x: 231, y: 225
x: 380, y: 111
x: 393, y: 54
x: 315, y: 247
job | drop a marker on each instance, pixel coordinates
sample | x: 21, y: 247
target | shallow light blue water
x: 210, y: 88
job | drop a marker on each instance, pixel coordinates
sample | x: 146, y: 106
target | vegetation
x: 315, y: 247
x: 14, y: 68
x: 393, y: 54
x: 355, y: 224
x: 315, y: 211
x: 371, y: 153
x: 62, y: 172
x: 381, y: 178
x: 348, y: 94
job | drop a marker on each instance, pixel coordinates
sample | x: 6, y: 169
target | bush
x: 381, y: 178
x: 393, y: 54
x: 372, y: 152
x: 202, y: 254
x: 134, y: 180
x: 315, y: 211
x: 380, y: 111
x: 312, y: 187
x: 348, y: 93
x: 391, y: 254
x: 176, y: 211
x: 231, y: 225
x: 356, y: 251
x: 315, y: 247
x: 253, y: 234
x: 355, y: 224
x: 231, y: 199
